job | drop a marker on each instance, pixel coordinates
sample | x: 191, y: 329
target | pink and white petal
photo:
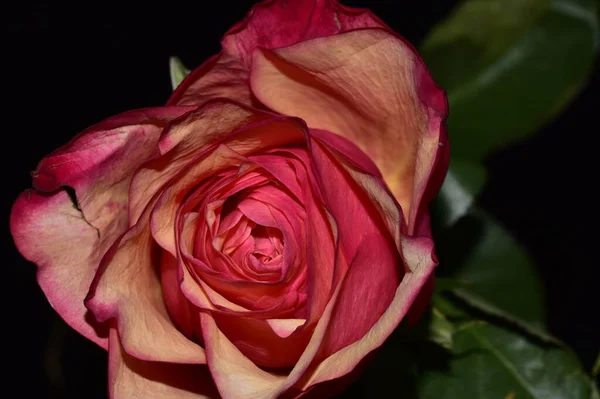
x: 165, y: 214
x: 274, y: 24
x: 435, y: 179
x: 371, y: 90
x: 221, y: 76
x: 418, y: 253
x: 323, y: 272
x: 67, y: 237
x: 269, y: 24
x: 111, y: 149
x: 236, y: 376
x: 372, y: 185
x: 256, y: 340
x: 130, y: 377
x: 346, y: 148
x: 375, y: 267
x: 185, y: 139
x: 127, y: 287
x: 50, y: 232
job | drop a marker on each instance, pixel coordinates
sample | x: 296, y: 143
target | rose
x: 265, y: 231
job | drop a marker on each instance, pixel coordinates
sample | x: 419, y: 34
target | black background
x: 66, y: 67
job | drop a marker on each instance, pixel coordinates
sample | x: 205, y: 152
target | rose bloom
x: 263, y: 232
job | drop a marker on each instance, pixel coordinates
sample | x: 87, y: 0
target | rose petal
x: 269, y: 24
x: 228, y: 364
x: 67, y: 243
x: 285, y: 327
x: 367, y: 90
x: 279, y: 167
x: 49, y: 231
x: 371, y: 184
x: 322, y: 272
x: 274, y: 24
x: 258, y: 341
x: 129, y: 377
x: 375, y: 267
x: 221, y: 76
x: 418, y: 252
x: 254, y: 137
x: 178, y: 306
x: 127, y: 287
x: 184, y: 140
x: 235, y: 375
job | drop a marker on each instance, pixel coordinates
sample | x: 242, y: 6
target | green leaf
x: 462, y: 184
x: 178, y: 71
x: 489, y: 263
x: 492, y: 362
x: 484, y: 361
x: 509, y: 66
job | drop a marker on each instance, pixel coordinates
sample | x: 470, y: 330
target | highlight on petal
x: 130, y: 377
x: 285, y: 327
x: 371, y: 90
x: 79, y: 207
x: 269, y: 24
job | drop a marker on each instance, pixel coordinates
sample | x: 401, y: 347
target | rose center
x: 248, y: 235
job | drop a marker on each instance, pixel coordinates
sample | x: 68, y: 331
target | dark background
x: 69, y: 66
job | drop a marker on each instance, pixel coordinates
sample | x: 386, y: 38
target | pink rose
x: 263, y: 232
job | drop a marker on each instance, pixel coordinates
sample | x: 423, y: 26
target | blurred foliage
x: 490, y: 264
x: 509, y: 66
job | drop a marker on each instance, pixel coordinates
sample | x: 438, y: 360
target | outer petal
x: 129, y: 377
x: 270, y: 24
x: 49, y: 231
x: 280, y: 23
x: 67, y: 237
x: 127, y: 288
x: 375, y: 267
x: 416, y: 252
x: 351, y: 334
x: 374, y: 90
